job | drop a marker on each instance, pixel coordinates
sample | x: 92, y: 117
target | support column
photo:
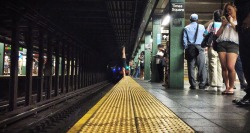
x: 87, y: 70
x: 14, y: 66
x: 49, y: 65
x: 156, y: 42
x: 68, y: 69
x: 2, y: 58
x: 81, y: 69
x: 63, y: 70
x: 176, y: 69
x: 57, y: 48
x: 83, y: 79
x: 76, y: 68
x: 40, y: 66
x: 72, y: 68
x: 29, y: 65
x: 147, y: 71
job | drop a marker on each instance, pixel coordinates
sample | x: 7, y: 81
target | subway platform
x: 134, y: 105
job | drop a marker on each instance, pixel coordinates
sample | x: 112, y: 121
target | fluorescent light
x: 166, y: 20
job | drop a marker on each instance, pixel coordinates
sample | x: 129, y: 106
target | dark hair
x: 160, y: 46
x: 142, y: 52
x: 217, y: 15
x: 225, y: 13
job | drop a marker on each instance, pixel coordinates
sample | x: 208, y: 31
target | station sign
x: 177, y: 10
x: 177, y: 13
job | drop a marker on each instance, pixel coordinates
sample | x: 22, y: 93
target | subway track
x: 56, y: 115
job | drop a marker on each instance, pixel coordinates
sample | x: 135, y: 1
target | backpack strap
x: 195, y: 36
x: 196, y: 33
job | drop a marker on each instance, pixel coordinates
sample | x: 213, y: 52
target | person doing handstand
x: 124, y: 61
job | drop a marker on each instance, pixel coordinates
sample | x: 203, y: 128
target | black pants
x: 160, y: 71
x: 240, y: 73
x: 244, y: 48
x: 131, y: 72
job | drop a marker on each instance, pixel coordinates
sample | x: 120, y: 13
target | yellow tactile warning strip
x: 130, y: 108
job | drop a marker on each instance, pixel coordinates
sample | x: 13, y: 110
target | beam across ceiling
x: 145, y: 20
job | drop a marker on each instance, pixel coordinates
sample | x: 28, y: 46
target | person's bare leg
x: 223, y: 61
x: 124, y: 72
x: 123, y: 53
x: 231, y: 60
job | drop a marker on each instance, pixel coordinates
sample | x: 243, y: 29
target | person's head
x: 229, y: 10
x: 160, y: 47
x: 194, y: 18
x: 142, y: 52
x: 217, y: 15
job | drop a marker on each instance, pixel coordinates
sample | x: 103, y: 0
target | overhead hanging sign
x: 177, y: 10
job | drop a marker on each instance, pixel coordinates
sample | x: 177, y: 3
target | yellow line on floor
x: 78, y: 125
x: 130, y: 108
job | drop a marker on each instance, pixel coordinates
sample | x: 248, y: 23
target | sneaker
x: 220, y: 88
x: 202, y: 87
x: 211, y: 88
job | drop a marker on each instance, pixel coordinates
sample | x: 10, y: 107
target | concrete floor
x: 206, y: 112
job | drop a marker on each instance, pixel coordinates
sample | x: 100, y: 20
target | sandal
x: 224, y: 92
x: 230, y: 93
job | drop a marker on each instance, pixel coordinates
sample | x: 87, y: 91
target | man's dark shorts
x: 228, y: 47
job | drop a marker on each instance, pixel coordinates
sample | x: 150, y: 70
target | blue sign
x: 158, y: 40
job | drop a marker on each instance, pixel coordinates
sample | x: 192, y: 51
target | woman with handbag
x: 159, y: 61
x: 228, y: 46
x: 214, y: 66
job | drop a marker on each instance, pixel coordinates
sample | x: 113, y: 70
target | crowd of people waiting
x: 227, y: 53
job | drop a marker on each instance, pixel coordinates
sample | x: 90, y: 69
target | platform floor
x: 129, y: 108
x: 204, y: 111
x: 133, y: 109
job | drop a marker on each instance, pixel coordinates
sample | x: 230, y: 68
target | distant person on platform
x: 142, y: 59
x: 243, y: 28
x: 194, y: 53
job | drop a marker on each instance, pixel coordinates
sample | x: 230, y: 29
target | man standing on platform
x: 194, y: 53
x: 243, y: 28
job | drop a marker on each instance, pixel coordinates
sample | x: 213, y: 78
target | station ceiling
x: 105, y: 25
x: 204, y: 8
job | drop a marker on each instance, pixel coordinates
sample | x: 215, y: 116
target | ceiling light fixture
x: 166, y: 20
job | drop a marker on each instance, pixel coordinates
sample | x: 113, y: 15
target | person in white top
x: 215, y: 72
x: 159, y: 59
x: 228, y: 46
x: 142, y: 58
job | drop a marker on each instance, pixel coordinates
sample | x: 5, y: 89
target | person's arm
x: 231, y: 21
x: 139, y: 57
x: 184, y: 39
x: 223, y: 25
x: 208, y: 30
